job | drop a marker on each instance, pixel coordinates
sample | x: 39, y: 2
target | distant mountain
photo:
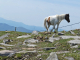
x: 4, y: 27
x: 21, y: 25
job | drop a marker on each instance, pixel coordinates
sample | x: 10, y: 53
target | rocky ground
x: 40, y: 45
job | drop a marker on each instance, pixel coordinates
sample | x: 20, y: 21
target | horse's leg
x: 57, y: 27
x: 48, y: 27
x: 53, y: 28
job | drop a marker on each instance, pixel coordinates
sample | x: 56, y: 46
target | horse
x: 55, y: 20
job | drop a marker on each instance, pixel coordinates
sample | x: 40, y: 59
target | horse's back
x: 53, y: 19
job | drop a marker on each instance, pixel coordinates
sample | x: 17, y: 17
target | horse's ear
x: 68, y: 14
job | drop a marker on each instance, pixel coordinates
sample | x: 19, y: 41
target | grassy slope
x: 61, y: 45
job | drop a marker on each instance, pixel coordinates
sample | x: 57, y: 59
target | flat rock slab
x: 48, y: 48
x: 51, y: 39
x: 31, y: 41
x: 21, y: 51
x: 5, y: 44
x: 69, y: 58
x: 2, y: 48
x: 74, y: 41
x: 6, y: 52
x: 24, y: 36
x: 6, y: 35
x: 31, y: 48
x: 67, y: 37
x: 31, y: 45
x: 53, y: 56
x: 27, y: 51
x: 60, y: 52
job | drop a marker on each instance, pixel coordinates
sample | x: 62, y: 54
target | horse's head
x: 67, y: 18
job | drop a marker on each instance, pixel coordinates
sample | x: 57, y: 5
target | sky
x: 33, y: 12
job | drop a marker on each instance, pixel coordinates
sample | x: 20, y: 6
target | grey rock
x: 38, y: 55
x: 5, y: 44
x: 78, y: 33
x: 72, y: 32
x: 35, y: 32
x: 26, y: 51
x: 59, y: 33
x: 24, y: 36
x: 48, y: 48
x: 76, y: 46
x: 74, y: 41
x: 6, y: 53
x: 31, y: 41
x: 69, y: 58
x: 53, y: 35
x: 21, y: 51
x: 31, y: 45
x: 7, y: 41
x: 6, y: 35
x: 60, y: 52
x: 67, y: 37
x: 11, y: 54
x: 52, y: 56
x: 34, y: 51
x: 51, y: 39
x: 2, y: 48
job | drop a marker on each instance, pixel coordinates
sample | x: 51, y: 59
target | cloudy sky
x: 33, y: 12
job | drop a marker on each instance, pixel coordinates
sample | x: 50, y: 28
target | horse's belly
x: 53, y: 21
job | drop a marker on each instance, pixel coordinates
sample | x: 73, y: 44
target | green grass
x: 61, y: 45
x: 76, y: 56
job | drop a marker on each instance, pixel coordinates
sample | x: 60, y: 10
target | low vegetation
x: 61, y: 45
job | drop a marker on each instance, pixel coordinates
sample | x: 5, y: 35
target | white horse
x: 56, y: 19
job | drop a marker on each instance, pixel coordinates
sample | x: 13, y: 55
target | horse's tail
x: 45, y: 24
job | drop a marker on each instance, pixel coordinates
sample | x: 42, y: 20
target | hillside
x: 39, y: 45
x: 19, y: 24
x: 4, y: 27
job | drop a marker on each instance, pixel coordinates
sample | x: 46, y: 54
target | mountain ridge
x: 18, y: 25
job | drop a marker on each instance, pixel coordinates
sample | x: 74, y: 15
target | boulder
x: 35, y: 32
x: 53, y: 56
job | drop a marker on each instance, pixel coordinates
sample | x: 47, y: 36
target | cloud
x: 33, y: 12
